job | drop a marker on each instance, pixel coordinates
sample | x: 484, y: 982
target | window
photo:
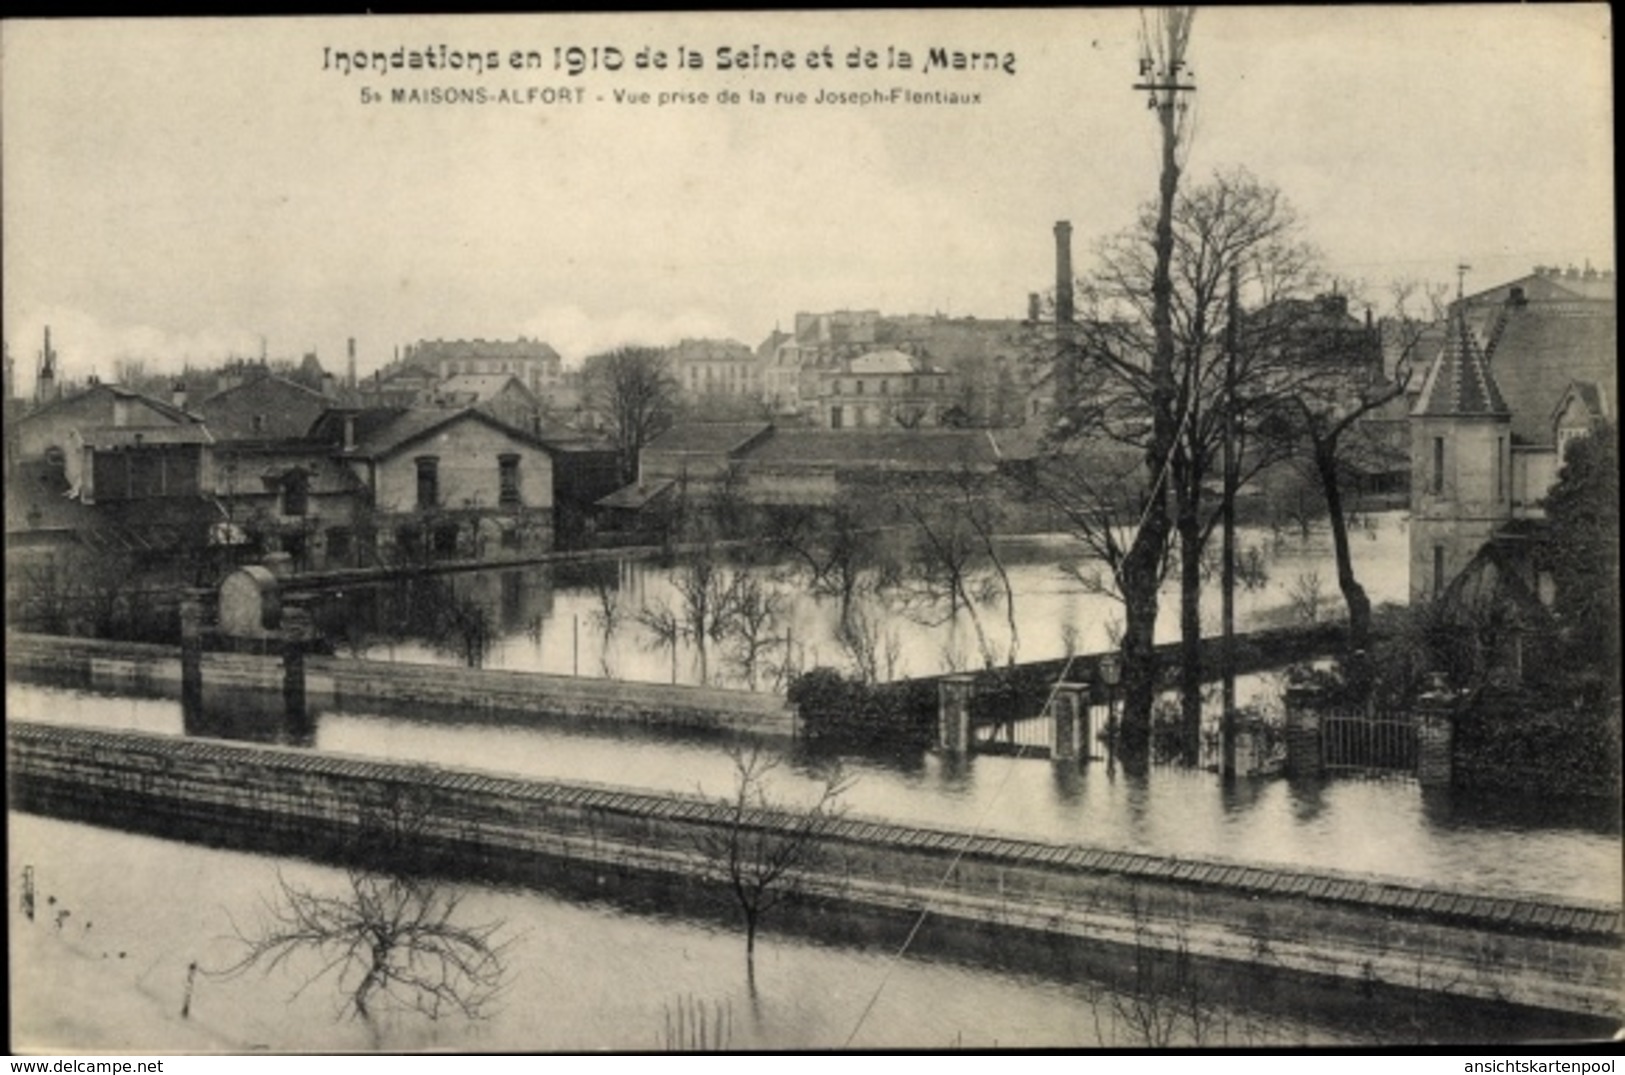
x: 885, y: 387
x: 1436, y: 485
x: 508, y: 480
x: 1500, y: 468
x: 1438, y: 570
x: 428, y: 481
x: 259, y: 423
x: 295, y: 493
x: 860, y: 388
x: 340, y: 545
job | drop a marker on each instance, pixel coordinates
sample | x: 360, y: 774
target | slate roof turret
x: 1460, y: 383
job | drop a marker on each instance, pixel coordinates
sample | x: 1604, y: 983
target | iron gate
x: 1376, y: 742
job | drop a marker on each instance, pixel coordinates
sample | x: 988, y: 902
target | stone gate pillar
x: 192, y: 653
x: 297, y: 632
x: 1303, y: 747
x: 1435, y: 734
x: 1071, y: 709
x: 954, y: 694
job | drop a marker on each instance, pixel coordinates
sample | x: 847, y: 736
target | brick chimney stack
x: 45, y: 384
x: 1063, y: 272
x: 349, y: 373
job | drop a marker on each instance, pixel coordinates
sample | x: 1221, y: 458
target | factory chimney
x: 1063, y: 272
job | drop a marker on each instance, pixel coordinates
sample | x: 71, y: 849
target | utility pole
x: 1165, y: 33
x: 1227, y: 727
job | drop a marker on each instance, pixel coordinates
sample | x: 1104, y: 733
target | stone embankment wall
x: 1559, y: 956
x: 349, y: 683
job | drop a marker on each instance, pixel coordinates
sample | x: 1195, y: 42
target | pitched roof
x: 886, y: 361
x: 329, y: 425
x: 1550, y: 283
x: 163, y: 407
x: 411, y: 426
x: 103, y: 438
x: 708, y: 437
x: 270, y: 380
x: 282, y: 408
x: 904, y: 449
x: 1543, y: 347
x: 637, y: 496
x: 1459, y: 381
x: 480, y: 386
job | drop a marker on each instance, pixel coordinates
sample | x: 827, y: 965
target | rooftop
x: 1459, y: 382
x: 708, y: 437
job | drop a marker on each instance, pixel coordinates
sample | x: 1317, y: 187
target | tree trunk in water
x: 1139, y: 667
x: 1141, y: 568
x: 1190, y: 635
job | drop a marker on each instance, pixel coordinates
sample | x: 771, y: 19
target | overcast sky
x: 179, y: 189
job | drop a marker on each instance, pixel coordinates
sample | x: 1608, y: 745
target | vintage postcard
x: 1062, y: 528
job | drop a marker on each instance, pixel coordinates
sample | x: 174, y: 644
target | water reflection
x: 581, y: 617
x: 1386, y: 827
x: 252, y: 716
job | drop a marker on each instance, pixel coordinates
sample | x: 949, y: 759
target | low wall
x: 1559, y: 956
x: 346, y: 682
x: 1024, y: 688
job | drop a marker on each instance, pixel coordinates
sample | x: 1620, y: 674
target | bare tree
x: 750, y: 630
x: 606, y: 616
x: 1118, y: 376
x: 707, y: 606
x: 874, y: 649
x: 1232, y: 236
x: 387, y: 937
x: 761, y: 851
x: 955, y: 561
x: 1333, y: 399
x: 633, y: 389
x: 840, y: 552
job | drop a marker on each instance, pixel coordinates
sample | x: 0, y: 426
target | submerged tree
x: 388, y: 937
x: 761, y: 850
x: 1118, y: 385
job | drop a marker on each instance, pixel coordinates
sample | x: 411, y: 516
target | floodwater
x: 583, y: 619
x: 580, y: 976
x: 600, y: 976
x: 1389, y: 827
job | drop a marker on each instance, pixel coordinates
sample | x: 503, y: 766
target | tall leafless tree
x: 1328, y: 409
x: 1138, y: 356
x: 633, y: 390
x: 762, y: 850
